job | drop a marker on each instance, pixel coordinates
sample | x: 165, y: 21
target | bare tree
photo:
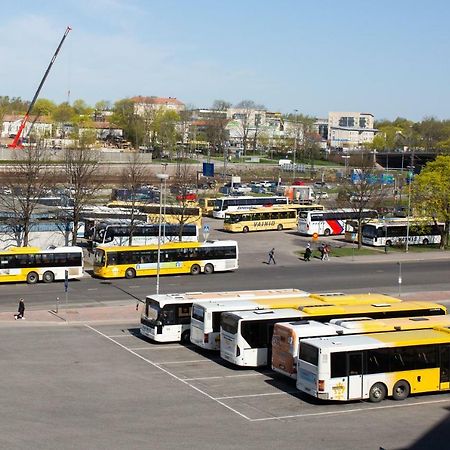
x: 133, y: 177
x: 82, y: 181
x: 25, y: 183
x: 247, y: 119
x: 364, y: 192
x: 182, y: 184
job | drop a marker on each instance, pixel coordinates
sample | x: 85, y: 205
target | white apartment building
x: 350, y: 130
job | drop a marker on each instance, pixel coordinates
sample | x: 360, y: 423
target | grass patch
x: 339, y: 252
x: 416, y: 248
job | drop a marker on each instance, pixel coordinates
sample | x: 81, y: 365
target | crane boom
x: 16, y: 143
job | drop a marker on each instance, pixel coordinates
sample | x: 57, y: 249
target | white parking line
x: 169, y: 373
x: 190, y: 361
x: 347, y: 411
x: 123, y: 335
x: 174, y: 347
x: 258, y: 395
x: 92, y: 289
x: 227, y: 376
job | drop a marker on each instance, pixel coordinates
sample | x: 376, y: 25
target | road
x: 314, y: 276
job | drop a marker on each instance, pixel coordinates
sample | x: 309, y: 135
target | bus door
x: 444, y: 353
x: 355, y: 375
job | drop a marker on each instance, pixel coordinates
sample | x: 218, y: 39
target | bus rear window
x: 309, y: 353
x: 229, y: 324
x: 198, y: 313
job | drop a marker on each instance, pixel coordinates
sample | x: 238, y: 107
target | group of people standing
x: 324, y: 250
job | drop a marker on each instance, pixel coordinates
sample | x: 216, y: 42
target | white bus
x: 287, y: 337
x: 387, y: 233
x: 246, y: 337
x: 167, y: 317
x: 374, y: 366
x: 329, y: 222
x: 205, y: 320
x: 118, y: 234
x: 227, y: 204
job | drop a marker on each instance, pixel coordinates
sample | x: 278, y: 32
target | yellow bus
x: 261, y: 219
x: 287, y: 337
x: 374, y: 366
x: 175, y: 258
x: 32, y: 264
x: 175, y: 214
x: 207, y: 205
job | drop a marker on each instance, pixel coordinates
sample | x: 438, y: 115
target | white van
x: 284, y: 162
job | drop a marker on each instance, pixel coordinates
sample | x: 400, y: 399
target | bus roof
x: 271, y: 208
x: 191, y: 297
x: 257, y: 303
x: 339, y: 298
x: 169, y: 245
x: 25, y: 250
x: 369, y: 308
x: 264, y: 314
x: 362, y: 325
x: 377, y: 340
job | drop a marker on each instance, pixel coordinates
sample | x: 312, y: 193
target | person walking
x: 322, y: 251
x: 20, y: 310
x: 326, y: 253
x: 308, y: 252
x: 271, y: 257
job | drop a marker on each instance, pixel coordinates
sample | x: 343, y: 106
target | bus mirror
x: 158, y: 323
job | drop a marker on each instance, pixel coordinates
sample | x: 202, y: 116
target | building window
x: 347, y: 122
x: 362, y: 122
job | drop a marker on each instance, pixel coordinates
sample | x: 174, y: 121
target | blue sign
x: 208, y: 169
x: 205, y: 228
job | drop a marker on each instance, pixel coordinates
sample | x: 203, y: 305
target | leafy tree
x: 431, y: 194
x: 80, y: 107
x: 44, y: 107
x: 63, y: 113
x: 216, y: 128
x: 164, y: 129
x: 125, y: 117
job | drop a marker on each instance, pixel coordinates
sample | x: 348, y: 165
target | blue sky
x: 390, y: 58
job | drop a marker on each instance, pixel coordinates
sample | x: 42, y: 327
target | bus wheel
x: 377, y: 392
x: 130, y: 273
x: 48, y: 277
x: 327, y: 232
x: 209, y: 268
x: 401, y: 390
x: 279, y: 227
x: 195, y: 269
x: 245, y: 230
x: 425, y: 241
x: 186, y: 337
x: 32, y: 278
x: 388, y: 243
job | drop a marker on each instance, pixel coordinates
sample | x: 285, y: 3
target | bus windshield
x: 232, y: 218
x: 99, y: 257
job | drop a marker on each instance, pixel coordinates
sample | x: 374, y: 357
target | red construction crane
x: 16, y: 143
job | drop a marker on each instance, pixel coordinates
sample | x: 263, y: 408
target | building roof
x: 157, y: 100
x: 18, y: 117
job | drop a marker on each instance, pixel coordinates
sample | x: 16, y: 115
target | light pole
x: 346, y: 157
x: 162, y: 178
x: 410, y: 176
x: 164, y: 200
x: 295, y: 143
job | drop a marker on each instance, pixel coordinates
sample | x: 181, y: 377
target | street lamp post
x: 162, y: 178
x: 410, y: 172
x: 295, y: 144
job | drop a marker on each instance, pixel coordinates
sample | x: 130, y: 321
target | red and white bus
x: 330, y: 222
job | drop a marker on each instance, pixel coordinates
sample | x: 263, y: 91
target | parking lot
x: 98, y: 386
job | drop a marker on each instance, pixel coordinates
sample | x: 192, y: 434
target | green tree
x: 164, y: 129
x: 125, y: 117
x: 431, y: 194
x: 44, y: 107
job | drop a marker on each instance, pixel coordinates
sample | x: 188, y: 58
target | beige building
x: 146, y: 104
x: 350, y: 130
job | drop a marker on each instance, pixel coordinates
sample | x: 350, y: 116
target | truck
x: 297, y: 194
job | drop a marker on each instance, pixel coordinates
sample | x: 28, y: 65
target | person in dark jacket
x: 271, y: 256
x: 308, y: 253
x: 21, y: 310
